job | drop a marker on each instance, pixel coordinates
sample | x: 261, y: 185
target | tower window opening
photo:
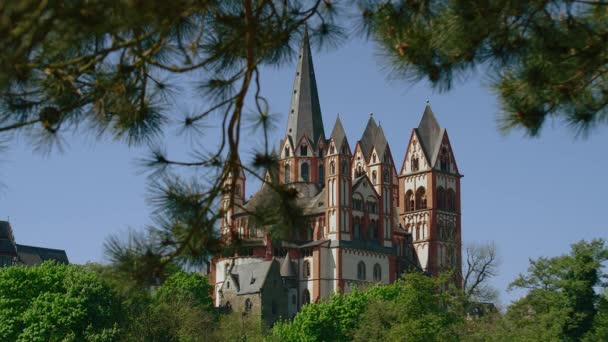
x: 409, y: 201
x: 306, y: 269
x: 286, y: 152
x: 444, y: 160
x: 305, y: 172
x: 420, y: 198
x: 415, y: 163
x: 287, y: 173
x: 303, y: 150
x: 332, y: 168
x: 321, y: 174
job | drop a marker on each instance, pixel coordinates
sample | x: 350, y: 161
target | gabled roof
x: 368, y: 137
x: 430, y: 134
x: 305, y: 112
x: 338, y: 134
x: 251, y: 277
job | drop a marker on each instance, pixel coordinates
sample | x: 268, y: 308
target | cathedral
x: 367, y: 220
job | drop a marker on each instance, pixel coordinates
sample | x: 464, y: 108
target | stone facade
x: 367, y: 221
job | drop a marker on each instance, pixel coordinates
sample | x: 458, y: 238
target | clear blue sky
x: 532, y: 197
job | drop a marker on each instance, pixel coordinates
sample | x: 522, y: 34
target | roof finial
x: 428, y: 102
x: 371, y: 114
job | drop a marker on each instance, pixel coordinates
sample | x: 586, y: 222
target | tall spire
x: 305, y: 112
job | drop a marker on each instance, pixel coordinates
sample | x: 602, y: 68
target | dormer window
x: 303, y: 150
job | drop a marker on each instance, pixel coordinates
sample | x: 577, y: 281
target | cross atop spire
x: 305, y: 111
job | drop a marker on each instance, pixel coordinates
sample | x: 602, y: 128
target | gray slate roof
x: 31, y: 255
x: 249, y: 278
x: 380, y: 142
x: 430, y: 134
x: 305, y: 111
x: 338, y: 134
x: 367, y: 139
x: 287, y: 269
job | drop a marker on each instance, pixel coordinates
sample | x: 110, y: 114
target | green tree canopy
x: 561, y: 302
x: 415, y: 308
x: 52, y: 302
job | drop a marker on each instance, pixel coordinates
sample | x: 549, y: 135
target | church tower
x: 338, y: 185
x: 303, y: 147
x: 430, y: 208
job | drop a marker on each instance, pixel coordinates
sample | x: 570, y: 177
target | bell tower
x: 429, y: 209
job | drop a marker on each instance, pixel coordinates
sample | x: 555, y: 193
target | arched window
x: 444, y: 160
x: 332, y: 168
x: 409, y: 200
x: 332, y: 150
x: 344, y: 167
x: 374, y: 177
x: 286, y: 151
x: 377, y: 272
x: 386, y: 174
x: 305, y: 297
x: 357, y: 228
x: 361, y: 270
x: 441, y: 198
x: 304, y: 172
x: 248, y: 305
x: 359, y: 171
x: 372, y: 205
x: 306, y: 269
x: 357, y: 202
x: 374, y: 158
x: 414, y: 165
x: 373, y: 230
x: 287, y: 173
x: 420, y: 198
x: 418, y: 233
x: 303, y: 150
x: 321, y: 174
x: 451, y: 200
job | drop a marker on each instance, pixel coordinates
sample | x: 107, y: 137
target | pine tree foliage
x: 114, y: 69
x: 544, y: 58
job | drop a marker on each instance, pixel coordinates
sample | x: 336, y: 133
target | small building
x: 257, y: 289
x: 12, y: 253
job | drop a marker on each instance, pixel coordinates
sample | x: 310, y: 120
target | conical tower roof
x: 305, y: 111
x: 338, y: 134
x: 287, y: 269
x: 430, y: 134
x: 367, y: 139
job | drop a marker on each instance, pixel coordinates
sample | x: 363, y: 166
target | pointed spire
x: 287, y: 269
x: 338, y: 134
x: 367, y: 140
x: 430, y: 133
x: 380, y: 142
x: 305, y: 111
